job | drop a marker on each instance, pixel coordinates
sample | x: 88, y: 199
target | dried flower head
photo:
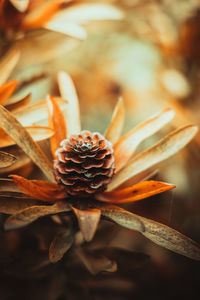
x: 75, y: 164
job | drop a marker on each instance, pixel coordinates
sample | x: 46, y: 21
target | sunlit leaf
x: 68, y: 92
x: 88, y: 220
x: 114, y: 129
x: 7, y: 90
x: 20, y: 135
x: 166, y: 147
x: 42, y: 190
x: 128, y: 143
x: 60, y: 245
x: 6, y: 159
x: 38, y: 133
x: 121, y: 217
x: 30, y: 214
x: 170, y: 239
x: 136, y: 192
x: 20, y: 5
x: 8, y: 63
x: 56, y: 122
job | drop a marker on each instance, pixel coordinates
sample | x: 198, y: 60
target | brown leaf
x: 20, y: 135
x: 8, y: 63
x: 122, y: 217
x: 68, y: 92
x: 42, y: 190
x: 165, y: 148
x: 88, y: 220
x: 170, y: 239
x: 57, y: 123
x: 37, y: 133
x: 7, y: 90
x: 60, y: 245
x: 30, y: 214
x: 137, y: 192
x: 16, y: 103
x: 6, y: 159
x: 114, y: 129
x: 128, y: 143
x: 20, y: 5
x: 14, y: 205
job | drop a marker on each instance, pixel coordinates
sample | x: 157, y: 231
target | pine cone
x: 85, y: 163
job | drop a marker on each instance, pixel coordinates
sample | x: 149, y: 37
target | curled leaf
x: 60, y: 245
x: 68, y: 92
x: 20, y: 135
x: 128, y: 143
x: 136, y: 192
x: 42, y: 190
x: 114, y: 129
x: 88, y: 220
x: 6, y: 159
x: 165, y: 148
x: 56, y: 122
x: 30, y: 214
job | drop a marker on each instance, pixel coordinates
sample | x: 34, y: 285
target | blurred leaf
x: 138, y: 191
x: 20, y: 5
x: 128, y: 143
x: 15, y: 103
x: 114, y: 129
x: 14, y: 205
x: 57, y: 123
x: 88, y: 220
x: 6, y: 159
x: 8, y: 63
x: 30, y: 214
x: 7, y: 90
x: 42, y: 190
x: 60, y: 245
x: 68, y: 92
x: 19, y: 134
x: 165, y: 148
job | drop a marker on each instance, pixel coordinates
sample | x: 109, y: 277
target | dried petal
x: 16, y: 103
x: 30, y: 214
x: 68, y: 92
x: 6, y: 159
x: 19, y: 134
x: 20, y: 5
x: 138, y: 191
x: 60, y: 245
x: 42, y: 190
x: 14, y: 205
x: 57, y: 123
x: 88, y: 220
x: 166, y: 147
x: 7, y: 90
x: 114, y: 129
x: 8, y: 63
x: 121, y: 217
x: 128, y: 143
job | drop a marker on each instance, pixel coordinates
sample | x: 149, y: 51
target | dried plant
x: 84, y: 174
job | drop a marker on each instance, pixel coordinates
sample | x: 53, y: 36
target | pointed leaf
x: 7, y: 90
x: 31, y: 214
x: 170, y: 239
x: 42, y: 190
x: 137, y: 192
x: 88, y: 220
x: 165, y: 148
x: 69, y: 28
x: 37, y: 133
x: 114, y: 129
x: 6, y: 159
x: 57, y: 123
x: 121, y: 217
x: 36, y: 112
x: 128, y: 143
x: 19, y: 134
x: 20, y: 5
x: 14, y: 103
x: 8, y: 63
x: 68, y: 92
x: 60, y: 245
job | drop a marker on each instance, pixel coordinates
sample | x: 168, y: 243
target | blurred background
x: 151, y: 57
